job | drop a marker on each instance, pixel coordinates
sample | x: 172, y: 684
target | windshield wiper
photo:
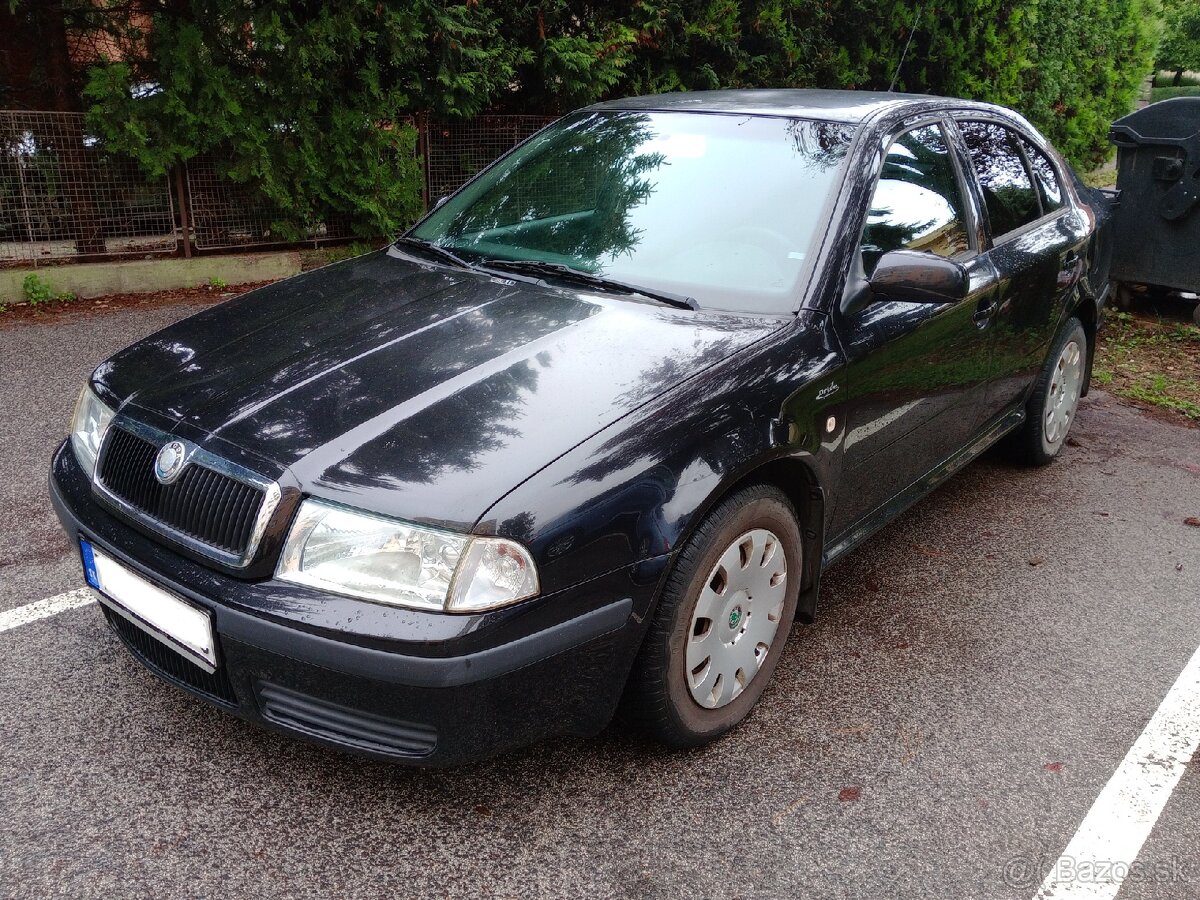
x: 567, y: 273
x: 436, y: 250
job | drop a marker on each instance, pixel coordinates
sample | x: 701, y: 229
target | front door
x: 916, y: 372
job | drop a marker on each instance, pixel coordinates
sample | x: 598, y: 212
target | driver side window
x: 918, y: 203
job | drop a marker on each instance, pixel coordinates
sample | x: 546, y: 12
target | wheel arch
x: 798, y: 481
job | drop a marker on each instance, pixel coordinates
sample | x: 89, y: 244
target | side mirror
x: 912, y: 277
x: 437, y: 204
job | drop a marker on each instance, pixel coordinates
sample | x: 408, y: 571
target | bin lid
x: 1166, y: 122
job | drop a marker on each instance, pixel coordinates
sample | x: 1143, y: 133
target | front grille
x: 203, y: 504
x: 343, y: 725
x: 162, y: 659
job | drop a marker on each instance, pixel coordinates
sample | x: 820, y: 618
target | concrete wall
x: 144, y: 276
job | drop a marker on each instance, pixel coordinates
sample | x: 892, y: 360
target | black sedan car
x: 591, y: 431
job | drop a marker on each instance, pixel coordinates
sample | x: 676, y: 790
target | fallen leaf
x: 1036, y: 560
x: 927, y: 551
x: 483, y: 810
x: 1194, y: 521
x: 1053, y: 767
x: 849, y: 794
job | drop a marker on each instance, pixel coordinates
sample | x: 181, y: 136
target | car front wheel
x: 722, y: 621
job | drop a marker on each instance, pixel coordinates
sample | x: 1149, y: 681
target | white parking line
x: 1104, y: 850
x: 43, y: 609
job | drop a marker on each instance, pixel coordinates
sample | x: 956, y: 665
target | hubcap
x: 736, y: 618
x: 1065, y: 383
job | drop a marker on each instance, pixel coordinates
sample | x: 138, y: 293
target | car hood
x: 417, y: 391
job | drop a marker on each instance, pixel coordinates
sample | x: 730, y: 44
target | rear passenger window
x: 1008, y: 190
x: 917, y: 204
x: 1045, y: 176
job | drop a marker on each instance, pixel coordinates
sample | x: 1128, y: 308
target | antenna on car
x: 907, y: 44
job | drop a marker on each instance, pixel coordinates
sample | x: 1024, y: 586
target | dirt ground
x: 1152, y: 362
x: 72, y: 310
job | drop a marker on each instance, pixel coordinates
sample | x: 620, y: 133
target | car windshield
x: 722, y: 209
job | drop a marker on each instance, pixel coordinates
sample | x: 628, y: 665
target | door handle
x: 983, y: 312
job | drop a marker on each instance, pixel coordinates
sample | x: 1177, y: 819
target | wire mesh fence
x: 456, y: 151
x: 226, y: 214
x: 62, y: 195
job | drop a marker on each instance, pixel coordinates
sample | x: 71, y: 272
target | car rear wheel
x: 722, y: 621
x: 1051, y: 408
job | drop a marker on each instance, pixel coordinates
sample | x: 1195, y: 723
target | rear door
x: 916, y: 372
x: 1037, y: 241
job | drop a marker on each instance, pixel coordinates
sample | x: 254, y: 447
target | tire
x: 1048, y: 418
x: 661, y: 696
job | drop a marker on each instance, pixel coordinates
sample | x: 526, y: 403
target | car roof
x: 851, y: 107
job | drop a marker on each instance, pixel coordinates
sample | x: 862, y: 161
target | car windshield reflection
x: 719, y: 208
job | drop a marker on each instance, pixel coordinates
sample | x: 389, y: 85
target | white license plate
x: 165, y: 617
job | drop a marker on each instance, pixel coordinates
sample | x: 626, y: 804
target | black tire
x: 1030, y: 443
x: 658, y: 697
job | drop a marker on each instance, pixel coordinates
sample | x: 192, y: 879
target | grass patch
x: 1150, y: 360
x: 1188, y: 79
x: 1166, y: 93
x: 1100, y: 178
x: 39, y: 292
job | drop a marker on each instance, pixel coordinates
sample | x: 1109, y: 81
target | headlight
x: 88, y: 425
x: 377, y: 558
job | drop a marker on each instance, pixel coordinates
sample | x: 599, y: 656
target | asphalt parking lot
x: 977, y: 674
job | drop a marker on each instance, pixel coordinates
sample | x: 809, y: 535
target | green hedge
x: 290, y: 92
x: 1071, y: 66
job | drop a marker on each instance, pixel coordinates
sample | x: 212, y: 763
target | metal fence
x: 455, y: 151
x: 225, y: 214
x: 62, y: 196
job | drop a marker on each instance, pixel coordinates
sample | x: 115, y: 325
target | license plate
x: 183, y: 627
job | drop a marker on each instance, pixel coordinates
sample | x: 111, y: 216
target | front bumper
x: 424, y: 688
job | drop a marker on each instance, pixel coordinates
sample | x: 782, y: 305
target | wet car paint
x: 419, y: 391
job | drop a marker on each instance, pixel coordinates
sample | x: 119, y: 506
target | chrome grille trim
x: 195, y: 455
